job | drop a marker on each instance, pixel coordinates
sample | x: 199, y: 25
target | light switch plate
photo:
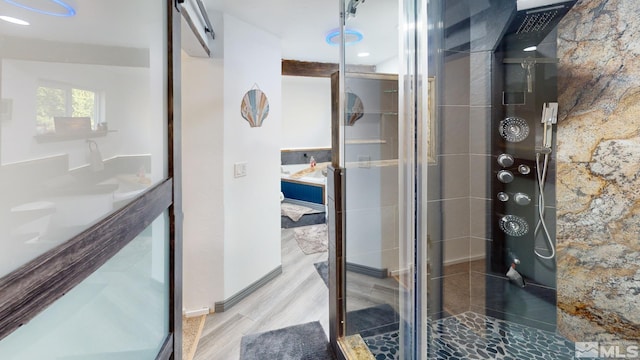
x: 240, y: 169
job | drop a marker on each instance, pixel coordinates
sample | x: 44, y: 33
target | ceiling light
x: 530, y: 48
x: 351, y: 37
x: 68, y: 10
x: 363, y: 54
x: 13, y: 20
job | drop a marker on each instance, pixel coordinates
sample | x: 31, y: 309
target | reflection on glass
x: 56, y: 100
x: 119, y: 312
x: 371, y: 161
x: 373, y: 270
x: 82, y: 130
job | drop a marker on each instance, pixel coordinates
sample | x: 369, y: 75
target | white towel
x: 295, y: 212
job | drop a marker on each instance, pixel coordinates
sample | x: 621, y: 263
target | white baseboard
x: 194, y: 313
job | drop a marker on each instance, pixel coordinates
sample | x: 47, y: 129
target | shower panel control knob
x: 503, y: 196
x: 522, y: 199
x: 524, y: 169
x: 505, y: 176
x: 505, y: 160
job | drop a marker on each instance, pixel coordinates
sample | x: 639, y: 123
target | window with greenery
x: 60, y: 100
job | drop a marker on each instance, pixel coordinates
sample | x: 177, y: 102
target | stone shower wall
x: 598, y: 179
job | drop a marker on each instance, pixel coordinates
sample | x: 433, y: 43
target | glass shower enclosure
x: 488, y: 181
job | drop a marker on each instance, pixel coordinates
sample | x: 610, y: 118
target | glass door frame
x: 414, y: 134
x: 30, y: 289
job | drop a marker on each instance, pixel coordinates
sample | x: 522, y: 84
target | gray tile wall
x: 291, y: 157
x: 459, y: 184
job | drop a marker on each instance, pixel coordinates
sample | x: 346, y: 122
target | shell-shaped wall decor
x: 254, y: 107
x: 355, y: 108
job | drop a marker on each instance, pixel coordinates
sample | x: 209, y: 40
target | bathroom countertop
x: 309, y: 170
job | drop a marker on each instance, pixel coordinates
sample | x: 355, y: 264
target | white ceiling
x: 95, y: 17
x: 303, y: 25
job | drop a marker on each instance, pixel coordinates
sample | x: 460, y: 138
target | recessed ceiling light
x: 68, y: 10
x: 13, y: 20
x: 351, y: 37
x: 530, y: 48
x: 363, y: 54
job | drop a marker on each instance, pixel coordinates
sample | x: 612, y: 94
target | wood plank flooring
x: 295, y: 297
x: 365, y: 291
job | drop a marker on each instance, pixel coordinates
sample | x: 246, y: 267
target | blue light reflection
x: 68, y: 10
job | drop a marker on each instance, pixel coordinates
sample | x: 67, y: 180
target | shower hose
x: 542, y: 177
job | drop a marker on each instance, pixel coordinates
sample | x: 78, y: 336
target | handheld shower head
x: 549, y: 118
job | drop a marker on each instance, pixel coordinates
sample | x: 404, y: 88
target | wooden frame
x: 174, y: 134
x: 30, y: 289
x: 336, y: 266
x: 432, y: 106
x: 318, y: 69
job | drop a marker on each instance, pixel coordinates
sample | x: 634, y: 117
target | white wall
x: 202, y: 190
x: 231, y: 225
x: 306, y: 112
x: 251, y: 203
x: 389, y: 66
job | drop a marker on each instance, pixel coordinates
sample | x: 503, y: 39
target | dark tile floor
x: 466, y: 287
x: 474, y: 336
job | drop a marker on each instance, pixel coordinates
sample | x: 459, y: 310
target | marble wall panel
x: 598, y: 178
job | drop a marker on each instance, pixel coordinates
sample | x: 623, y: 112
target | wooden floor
x: 295, y: 297
x: 365, y: 291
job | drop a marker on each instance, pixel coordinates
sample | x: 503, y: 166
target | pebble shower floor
x: 473, y: 336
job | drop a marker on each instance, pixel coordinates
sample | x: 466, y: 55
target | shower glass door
x: 378, y: 165
x: 503, y: 222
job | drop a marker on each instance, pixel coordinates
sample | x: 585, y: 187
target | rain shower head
x: 538, y: 21
x: 532, y: 24
x: 530, y: 4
